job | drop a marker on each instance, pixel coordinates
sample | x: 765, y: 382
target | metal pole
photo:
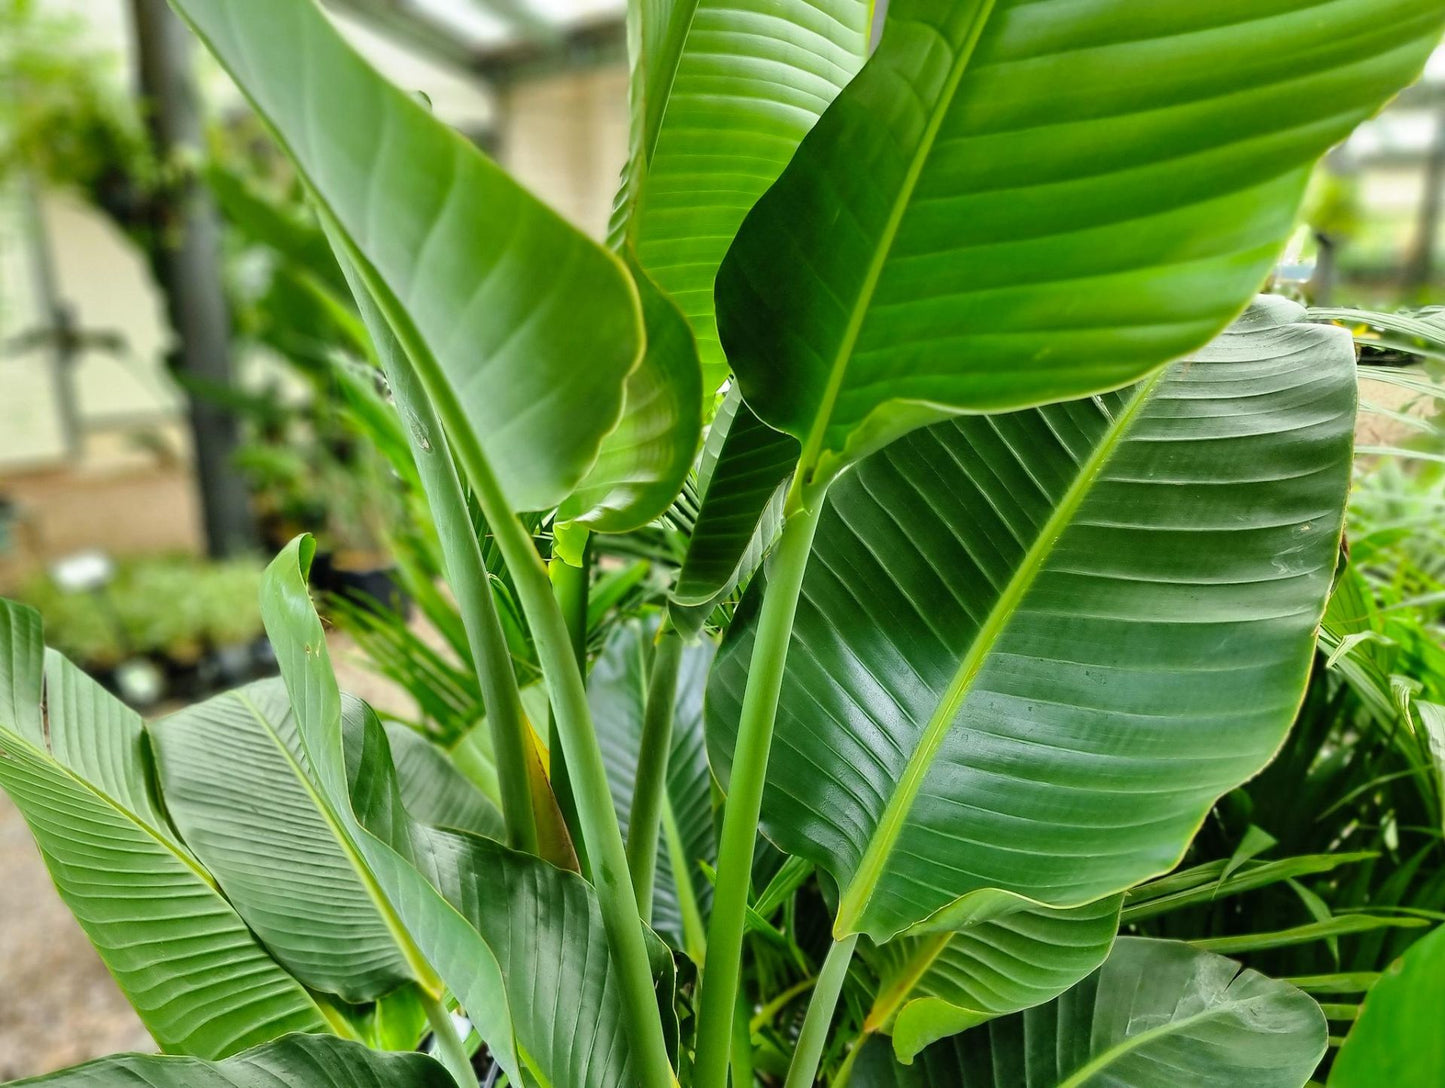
x: 184, y: 256
x: 1420, y: 267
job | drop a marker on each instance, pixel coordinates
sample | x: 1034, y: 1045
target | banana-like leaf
x: 74, y: 761
x: 617, y: 693
x: 644, y: 461
x: 297, y: 1061
x: 1019, y: 202
x: 527, y: 327
x: 934, y: 986
x: 520, y: 943
x: 1032, y: 649
x: 434, y: 791
x: 742, y: 476
x: 1157, y: 1015
x: 722, y: 92
x: 1397, y: 1041
x: 235, y: 780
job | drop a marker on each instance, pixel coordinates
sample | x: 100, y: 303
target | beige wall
x: 565, y: 138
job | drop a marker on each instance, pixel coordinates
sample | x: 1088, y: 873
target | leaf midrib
x: 822, y: 419
x: 914, y: 969
x: 47, y: 758
x: 1130, y: 1043
x: 857, y: 895
x: 416, y: 962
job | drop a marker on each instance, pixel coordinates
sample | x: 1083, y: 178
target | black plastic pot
x: 380, y: 585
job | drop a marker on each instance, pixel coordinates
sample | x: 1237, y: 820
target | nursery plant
x: 1018, y: 518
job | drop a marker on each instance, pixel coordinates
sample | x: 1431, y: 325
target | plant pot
x: 192, y: 680
x: 263, y: 658
x: 378, y: 584
x: 234, y: 663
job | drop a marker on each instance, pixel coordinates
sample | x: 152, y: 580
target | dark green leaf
x: 1156, y: 1015
x: 520, y: 943
x: 1033, y: 649
x: 1019, y: 202
x: 937, y: 985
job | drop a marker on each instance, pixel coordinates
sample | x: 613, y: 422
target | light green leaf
x: 1338, y: 926
x: 520, y: 943
x: 74, y: 761
x: 722, y: 92
x: 297, y: 1061
x: 235, y: 778
x: 1256, y: 841
x: 434, y: 791
x: 1156, y: 1015
x: 1397, y: 1041
x: 530, y: 329
x: 1020, y: 202
x: 937, y: 985
x: 1032, y: 649
x: 617, y: 694
x: 643, y: 463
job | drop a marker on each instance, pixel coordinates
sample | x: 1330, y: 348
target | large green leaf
x: 1020, y: 202
x: 939, y: 984
x: 297, y: 1061
x: 520, y: 943
x: 722, y: 93
x: 1156, y: 1015
x: 1397, y: 1041
x: 529, y: 328
x: 235, y: 780
x: 75, y: 762
x: 617, y: 693
x: 1032, y: 649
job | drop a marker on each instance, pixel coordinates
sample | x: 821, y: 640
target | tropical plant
x: 1020, y: 548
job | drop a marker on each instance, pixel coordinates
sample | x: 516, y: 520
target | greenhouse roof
x: 481, y: 27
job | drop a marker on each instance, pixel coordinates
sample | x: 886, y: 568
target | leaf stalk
x: 645, y: 821
x: 745, y: 792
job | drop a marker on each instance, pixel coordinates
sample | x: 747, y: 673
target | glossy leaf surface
x: 939, y: 984
x: 1156, y: 1015
x: 74, y: 761
x: 722, y: 93
x: 1020, y: 202
x: 642, y: 464
x: 1033, y: 648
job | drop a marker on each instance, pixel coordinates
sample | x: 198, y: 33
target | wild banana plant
x: 1034, y: 542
